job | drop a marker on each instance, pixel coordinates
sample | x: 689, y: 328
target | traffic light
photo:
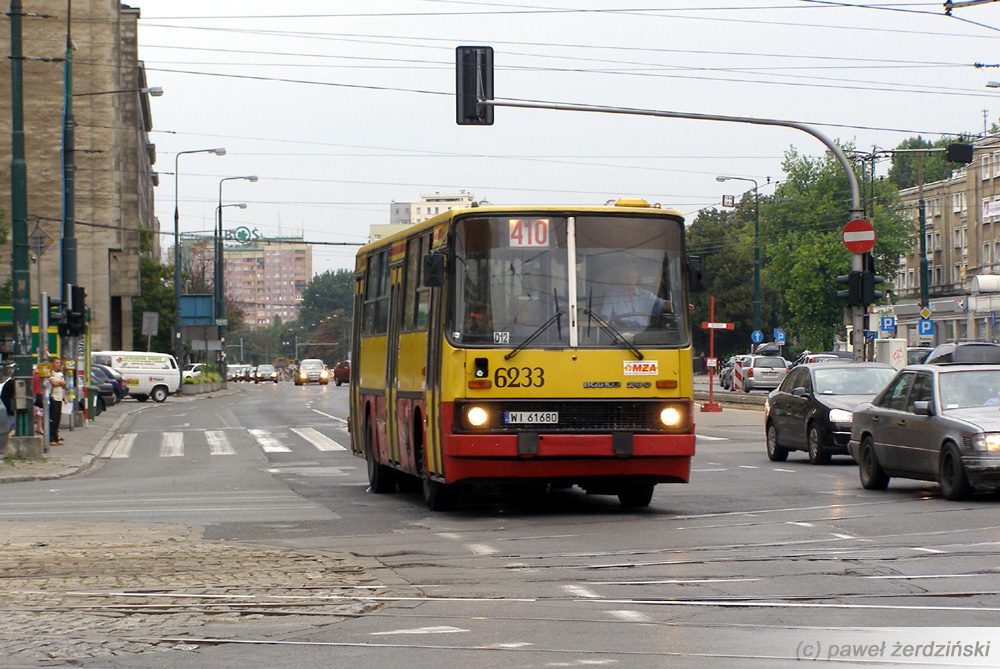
x: 474, y: 80
x: 959, y: 153
x: 853, y: 292
x: 868, y: 293
x: 57, y: 315
x: 76, y: 314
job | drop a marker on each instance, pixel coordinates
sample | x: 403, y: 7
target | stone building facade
x: 115, y: 221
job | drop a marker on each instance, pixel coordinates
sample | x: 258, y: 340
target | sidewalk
x: 83, y: 444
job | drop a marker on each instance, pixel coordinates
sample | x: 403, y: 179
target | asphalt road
x: 752, y: 564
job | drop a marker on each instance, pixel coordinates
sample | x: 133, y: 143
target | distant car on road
x: 266, y: 373
x: 813, y: 407
x: 763, y: 372
x: 932, y: 423
x: 342, y: 372
x: 966, y: 352
x: 312, y: 370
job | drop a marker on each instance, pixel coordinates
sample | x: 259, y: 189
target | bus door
x: 392, y: 431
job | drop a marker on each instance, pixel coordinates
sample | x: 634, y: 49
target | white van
x: 147, y: 375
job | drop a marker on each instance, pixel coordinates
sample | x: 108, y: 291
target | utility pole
x: 20, y: 270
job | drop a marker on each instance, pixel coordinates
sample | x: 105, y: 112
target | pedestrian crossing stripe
x: 171, y: 444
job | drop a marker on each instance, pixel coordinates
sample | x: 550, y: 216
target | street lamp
x: 221, y: 320
x: 756, y: 247
x: 155, y: 91
x: 178, y: 342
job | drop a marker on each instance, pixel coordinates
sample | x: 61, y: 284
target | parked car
x: 932, y: 423
x: 148, y: 375
x: 342, y: 372
x: 726, y: 372
x: 113, y: 374
x: 763, y: 372
x: 312, y: 370
x: 808, y: 357
x: 812, y: 408
x: 194, y: 369
x: 966, y: 352
x: 100, y: 377
x: 266, y: 373
x: 917, y: 354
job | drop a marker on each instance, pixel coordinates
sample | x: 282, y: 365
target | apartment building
x: 962, y: 237
x: 266, y: 278
x: 114, y: 177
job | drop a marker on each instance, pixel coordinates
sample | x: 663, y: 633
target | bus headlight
x: 671, y: 417
x: 476, y: 416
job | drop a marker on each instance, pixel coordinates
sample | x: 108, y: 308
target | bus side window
x: 423, y: 292
x: 410, y: 288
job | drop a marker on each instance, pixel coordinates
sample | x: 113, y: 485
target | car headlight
x: 987, y: 442
x: 841, y: 416
x: 476, y: 416
x: 324, y: 374
x: 303, y: 375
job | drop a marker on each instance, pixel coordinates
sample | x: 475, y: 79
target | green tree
x: 802, y: 249
x: 156, y: 293
x: 326, y: 293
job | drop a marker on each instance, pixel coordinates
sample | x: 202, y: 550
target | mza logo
x: 642, y: 367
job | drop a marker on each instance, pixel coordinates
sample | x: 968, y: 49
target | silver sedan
x: 933, y: 423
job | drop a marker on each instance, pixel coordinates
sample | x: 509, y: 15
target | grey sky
x: 342, y: 107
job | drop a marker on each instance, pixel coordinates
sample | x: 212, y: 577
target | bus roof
x: 621, y: 206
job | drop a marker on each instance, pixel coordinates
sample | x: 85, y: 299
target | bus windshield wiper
x: 610, y: 329
x: 541, y: 328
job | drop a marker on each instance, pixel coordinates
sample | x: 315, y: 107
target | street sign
x: 859, y: 236
x: 888, y: 323
x: 728, y: 200
x: 757, y: 336
x: 925, y: 313
x: 779, y: 336
x: 717, y: 326
x: 711, y: 362
x: 150, y: 323
x: 925, y: 328
x: 39, y: 240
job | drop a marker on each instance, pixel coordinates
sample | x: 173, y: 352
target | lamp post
x: 178, y: 342
x: 756, y: 247
x: 221, y: 318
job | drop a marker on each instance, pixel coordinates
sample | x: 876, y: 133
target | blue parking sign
x: 925, y: 327
x: 888, y: 323
x: 779, y: 336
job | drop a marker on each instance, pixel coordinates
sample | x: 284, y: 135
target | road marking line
x: 631, y: 616
x: 580, y: 591
x: 448, y: 535
x: 482, y: 549
x: 336, y: 418
x: 843, y: 536
x: 800, y: 524
x: 789, y: 471
x: 720, y: 469
x: 708, y: 438
x: 443, y: 629
x: 318, y: 439
x: 124, y: 446
x: 267, y: 442
x: 219, y: 444
x: 748, y: 467
x: 173, y: 445
x: 927, y: 550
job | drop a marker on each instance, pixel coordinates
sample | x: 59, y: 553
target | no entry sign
x: 859, y: 236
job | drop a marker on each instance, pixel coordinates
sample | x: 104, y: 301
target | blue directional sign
x: 779, y: 336
x: 925, y: 327
x: 888, y: 323
x: 757, y: 336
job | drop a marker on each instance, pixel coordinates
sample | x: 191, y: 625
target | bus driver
x: 626, y: 303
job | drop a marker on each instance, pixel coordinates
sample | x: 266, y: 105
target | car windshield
x: 860, y: 381
x: 265, y: 369
x: 311, y: 364
x: 969, y: 388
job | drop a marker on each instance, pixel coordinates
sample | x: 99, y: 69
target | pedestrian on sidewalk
x: 36, y: 383
x: 57, y: 395
x: 7, y: 396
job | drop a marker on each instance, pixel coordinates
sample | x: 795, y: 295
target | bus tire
x: 438, y: 496
x: 636, y: 495
x: 381, y: 479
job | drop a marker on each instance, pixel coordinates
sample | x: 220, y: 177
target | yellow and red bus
x: 547, y: 345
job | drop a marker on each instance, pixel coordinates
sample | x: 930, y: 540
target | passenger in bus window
x: 628, y: 303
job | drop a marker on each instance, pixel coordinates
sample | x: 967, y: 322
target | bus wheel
x: 381, y: 478
x: 438, y: 496
x: 636, y: 495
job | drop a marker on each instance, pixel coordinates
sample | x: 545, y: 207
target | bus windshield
x: 512, y: 278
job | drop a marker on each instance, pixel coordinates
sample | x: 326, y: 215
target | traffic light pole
x: 857, y: 261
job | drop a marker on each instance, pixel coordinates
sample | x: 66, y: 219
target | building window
x: 956, y: 274
x: 985, y: 260
x: 910, y: 278
x: 984, y: 168
x: 937, y: 274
